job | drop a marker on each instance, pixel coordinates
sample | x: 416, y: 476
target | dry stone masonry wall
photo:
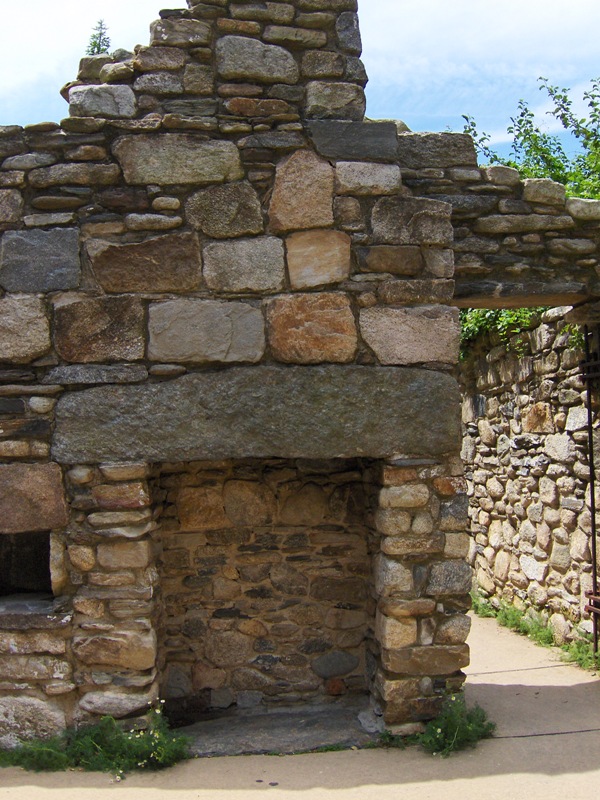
x: 228, y: 421
x: 525, y: 448
x: 516, y: 242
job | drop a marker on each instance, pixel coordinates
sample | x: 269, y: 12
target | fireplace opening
x: 25, y: 564
x: 266, y: 583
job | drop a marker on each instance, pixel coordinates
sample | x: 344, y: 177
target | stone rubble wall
x: 265, y: 574
x: 525, y: 450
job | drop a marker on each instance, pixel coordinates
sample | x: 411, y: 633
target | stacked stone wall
x: 213, y: 261
x: 525, y: 448
x: 517, y: 242
x: 214, y: 258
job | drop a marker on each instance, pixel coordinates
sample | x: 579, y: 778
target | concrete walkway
x: 547, y: 748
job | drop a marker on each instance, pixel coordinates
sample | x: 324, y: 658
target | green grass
x: 104, y: 747
x: 579, y: 651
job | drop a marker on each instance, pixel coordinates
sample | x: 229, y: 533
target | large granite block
x: 201, y: 331
x: 171, y: 158
x: 288, y: 412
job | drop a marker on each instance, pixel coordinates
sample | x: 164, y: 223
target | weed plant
x: 456, y: 728
x: 104, y: 747
x: 579, y: 651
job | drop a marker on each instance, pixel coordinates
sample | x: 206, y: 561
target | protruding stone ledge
x: 473, y: 293
x: 295, y: 412
x: 355, y: 140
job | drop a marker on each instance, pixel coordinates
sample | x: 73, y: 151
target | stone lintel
x: 257, y: 412
x: 500, y: 294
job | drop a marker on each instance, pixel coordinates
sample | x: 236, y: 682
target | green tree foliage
x: 99, y: 40
x: 538, y: 154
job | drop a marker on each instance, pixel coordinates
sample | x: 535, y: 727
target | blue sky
x: 429, y: 61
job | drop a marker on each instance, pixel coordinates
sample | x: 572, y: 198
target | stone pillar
x: 111, y: 560
x: 422, y: 584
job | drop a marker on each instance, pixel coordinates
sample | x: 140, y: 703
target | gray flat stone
x: 96, y: 373
x: 116, y: 102
x: 227, y: 211
x: 348, y: 33
x: 170, y: 158
x: 11, y: 205
x: 288, y: 412
x: 435, y: 150
x: 281, y: 730
x: 40, y: 261
x: 355, y: 140
x: 331, y: 665
x: 200, y: 331
x: 28, y: 718
x: 335, y: 101
x: 245, y: 265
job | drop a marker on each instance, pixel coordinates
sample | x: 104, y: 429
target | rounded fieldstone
x: 334, y: 664
x: 28, y: 718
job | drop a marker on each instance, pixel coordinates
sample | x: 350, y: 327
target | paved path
x: 547, y: 748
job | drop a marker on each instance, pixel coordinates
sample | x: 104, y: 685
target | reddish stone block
x: 113, y: 497
x: 310, y: 329
x: 99, y: 329
x: 32, y: 498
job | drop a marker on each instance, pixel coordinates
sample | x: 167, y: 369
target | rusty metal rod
x: 591, y: 462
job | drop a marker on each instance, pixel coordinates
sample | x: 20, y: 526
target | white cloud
x: 41, y: 40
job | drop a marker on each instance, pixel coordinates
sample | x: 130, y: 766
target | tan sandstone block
x: 412, y: 335
x: 130, y: 555
x: 201, y: 508
x: 24, y: 328
x: 317, y: 258
x: 395, y: 633
x: 311, y: 329
x: 31, y: 642
x: 113, y: 497
x: 248, y: 503
x: 128, y: 649
x: 83, y: 558
x: 408, y: 496
x: 303, y: 194
x: 430, y: 660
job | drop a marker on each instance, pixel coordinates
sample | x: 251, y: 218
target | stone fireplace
x: 227, y: 402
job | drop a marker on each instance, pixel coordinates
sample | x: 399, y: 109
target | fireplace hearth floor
x: 284, y: 730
